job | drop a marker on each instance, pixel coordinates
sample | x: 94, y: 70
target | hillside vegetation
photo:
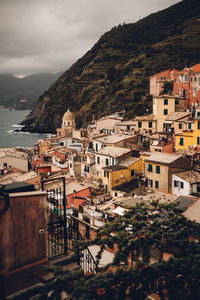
x: 114, y: 74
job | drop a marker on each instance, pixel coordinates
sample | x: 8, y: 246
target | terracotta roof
x: 195, y: 68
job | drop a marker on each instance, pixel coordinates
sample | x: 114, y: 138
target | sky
x: 39, y: 36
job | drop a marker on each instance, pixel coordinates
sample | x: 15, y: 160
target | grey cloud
x: 48, y: 35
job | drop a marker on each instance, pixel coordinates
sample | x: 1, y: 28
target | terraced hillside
x: 113, y: 75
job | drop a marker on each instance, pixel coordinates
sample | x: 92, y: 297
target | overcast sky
x: 49, y: 35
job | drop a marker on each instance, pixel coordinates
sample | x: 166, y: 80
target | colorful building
x: 113, y: 176
x: 157, y: 81
x: 189, y: 139
x: 186, y: 84
x: 159, y: 167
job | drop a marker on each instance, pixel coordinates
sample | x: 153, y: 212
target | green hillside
x: 114, y: 74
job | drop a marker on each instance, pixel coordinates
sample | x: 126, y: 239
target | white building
x: 186, y: 183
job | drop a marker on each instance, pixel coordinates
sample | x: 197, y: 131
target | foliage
x: 167, y: 88
x: 158, y: 226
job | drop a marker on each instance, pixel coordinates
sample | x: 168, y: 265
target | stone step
x: 63, y: 259
x: 50, y: 276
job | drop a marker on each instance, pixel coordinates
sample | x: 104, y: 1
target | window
x: 96, y: 147
x: 115, y: 194
x: 176, y: 102
x: 98, y: 159
x: 186, y: 77
x: 198, y: 113
x: 165, y: 101
x: 132, y: 172
x: 175, y: 183
x: 113, y: 161
x: 150, y: 168
x: 156, y: 184
x: 128, y: 127
x: 198, y: 140
x: 107, y: 174
x: 181, y: 141
x: 182, y: 93
x: 198, y: 124
x: 104, y: 173
x: 139, y: 124
x: 158, y: 169
x: 195, y: 92
x: 149, y: 182
x: 178, y: 184
x: 195, y: 79
x: 189, y: 125
x: 150, y: 124
x: 180, y: 125
x: 87, y: 169
x: 70, y: 165
x: 107, y: 161
x: 165, y: 112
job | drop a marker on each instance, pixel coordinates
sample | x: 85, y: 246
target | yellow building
x: 113, y: 176
x: 189, y: 139
x: 163, y: 106
x: 147, y: 123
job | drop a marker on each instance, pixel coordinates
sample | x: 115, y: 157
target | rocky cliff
x: 113, y: 75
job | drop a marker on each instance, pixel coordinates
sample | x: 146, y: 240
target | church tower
x: 68, y: 120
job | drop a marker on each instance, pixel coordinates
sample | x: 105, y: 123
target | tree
x: 167, y: 88
x: 132, y: 275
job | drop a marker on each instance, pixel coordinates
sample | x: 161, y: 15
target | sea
x: 9, y: 122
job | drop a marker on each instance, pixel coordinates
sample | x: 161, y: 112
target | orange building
x: 157, y: 81
x: 187, y: 85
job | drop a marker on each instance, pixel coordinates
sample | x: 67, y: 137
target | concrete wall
x: 18, y: 163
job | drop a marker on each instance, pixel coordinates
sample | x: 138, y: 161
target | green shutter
x: 156, y: 184
x: 150, y: 167
x: 158, y: 169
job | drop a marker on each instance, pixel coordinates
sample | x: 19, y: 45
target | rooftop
x: 115, y: 168
x: 162, y: 158
x: 190, y: 176
x: 174, y: 116
x: 12, y: 152
x: 192, y: 212
x: 112, y: 138
x: 74, y: 186
x: 147, y: 197
x: 17, y: 177
x: 113, y: 151
x: 146, y: 118
x: 184, y: 201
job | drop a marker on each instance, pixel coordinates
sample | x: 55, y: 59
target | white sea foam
x: 17, y: 125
